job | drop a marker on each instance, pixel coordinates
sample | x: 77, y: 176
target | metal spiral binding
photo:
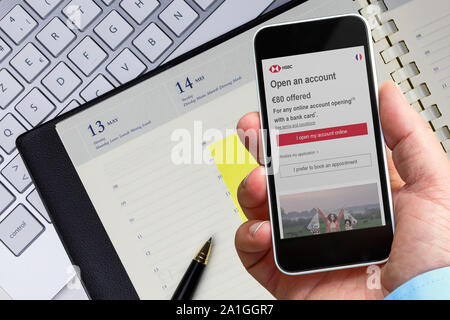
x: 372, y: 10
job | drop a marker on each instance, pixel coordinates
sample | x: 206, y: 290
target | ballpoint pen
x: 191, y: 278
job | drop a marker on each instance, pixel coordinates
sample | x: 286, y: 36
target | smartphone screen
x: 328, y: 184
x: 327, y: 174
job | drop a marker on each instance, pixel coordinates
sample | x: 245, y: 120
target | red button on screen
x: 353, y: 130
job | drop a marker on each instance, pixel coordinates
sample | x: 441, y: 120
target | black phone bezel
x: 332, y: 250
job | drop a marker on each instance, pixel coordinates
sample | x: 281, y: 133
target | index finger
x: 249, y: 131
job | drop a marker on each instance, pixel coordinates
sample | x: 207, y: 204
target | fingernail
x: 245, y: 179
x: 255, y: 227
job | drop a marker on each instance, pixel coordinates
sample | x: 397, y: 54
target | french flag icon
x: 359, y: 57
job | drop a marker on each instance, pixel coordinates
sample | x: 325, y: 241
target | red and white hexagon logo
x: 275, y: 68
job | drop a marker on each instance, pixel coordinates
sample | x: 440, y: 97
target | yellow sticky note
x: 234, y: 163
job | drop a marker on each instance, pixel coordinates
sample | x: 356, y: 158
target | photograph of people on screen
x: 333, y: 210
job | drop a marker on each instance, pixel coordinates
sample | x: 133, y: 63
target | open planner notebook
x: 158, y: 212
x: 412, y: 44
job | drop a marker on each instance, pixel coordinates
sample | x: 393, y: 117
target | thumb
x: 417, y: 153
x: 254, y: 247
x: 253, y: 241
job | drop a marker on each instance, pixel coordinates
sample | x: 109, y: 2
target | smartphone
x: 328, y: 185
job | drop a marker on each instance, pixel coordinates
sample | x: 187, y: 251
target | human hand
x: 420, y: 180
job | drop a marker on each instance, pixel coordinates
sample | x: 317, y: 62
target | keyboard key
x: 139, y: 10
x: 29, y: 62
x: 96, y: 88
x: 10, y: 88
x: 178, y: 16
x: 152, y: 42
x: 114, y: 30
x: 34, y: 199
x: 5, y: 50
x: 18, y: 24
x: 56, y: 36
x: 10, y: 129
x: 61, y: 82
x: 126, y: 66
x: 43, y: 8
x: 82, y: 13
x: 108, y: 2
x: 6, y: 198
x: 19, y: 230
x: 72, y: 105
x: 16, y: 173
x: 204, y: 4
x: 35, y: 107
x: 87, y: 56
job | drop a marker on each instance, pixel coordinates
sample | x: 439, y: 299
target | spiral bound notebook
x: 412, y: 39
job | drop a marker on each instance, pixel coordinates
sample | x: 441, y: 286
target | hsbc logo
x: 276, y: 68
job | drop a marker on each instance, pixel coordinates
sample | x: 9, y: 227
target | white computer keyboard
x: 58, y: 54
